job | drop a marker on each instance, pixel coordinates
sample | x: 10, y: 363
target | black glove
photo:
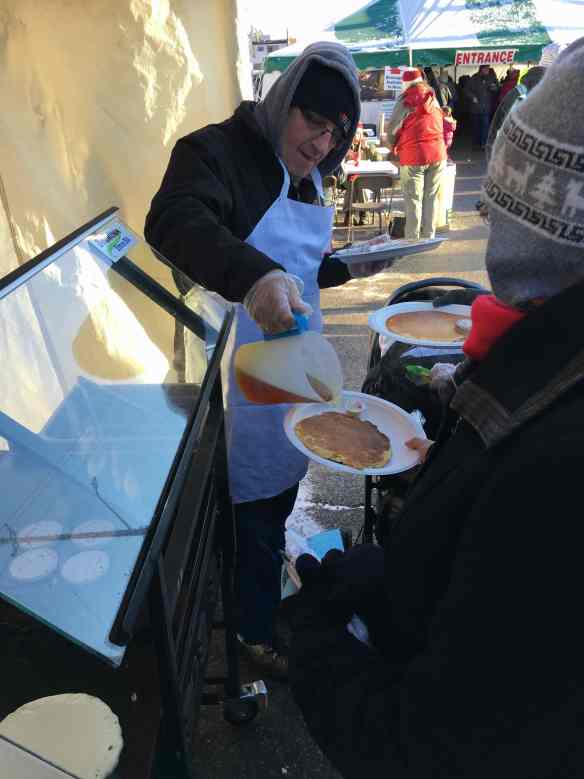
x: 332, y: 591
x: 458, y: 297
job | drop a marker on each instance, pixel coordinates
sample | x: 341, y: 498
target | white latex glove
x: 273, y: 298
x: 360, y: 270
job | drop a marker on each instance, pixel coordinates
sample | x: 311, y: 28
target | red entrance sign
x: 485, y: 57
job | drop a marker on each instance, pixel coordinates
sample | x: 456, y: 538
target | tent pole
x: 410, y: 56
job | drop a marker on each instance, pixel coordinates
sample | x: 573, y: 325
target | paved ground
x: 276, y: 744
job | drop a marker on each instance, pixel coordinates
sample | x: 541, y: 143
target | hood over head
x: 272, y: 112
x: 420, y: 95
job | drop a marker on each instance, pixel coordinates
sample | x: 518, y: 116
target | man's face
x: 484, y: 71
x: 308, y: 138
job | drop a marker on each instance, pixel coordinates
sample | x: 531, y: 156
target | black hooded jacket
x: 219, y: 183
x: 479, y: 669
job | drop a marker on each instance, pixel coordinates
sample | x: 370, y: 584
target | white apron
x: 262, y: 462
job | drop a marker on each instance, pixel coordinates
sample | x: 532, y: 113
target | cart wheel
x: 240, y: 711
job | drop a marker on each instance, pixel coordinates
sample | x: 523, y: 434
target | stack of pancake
x: 345, y: 439
x: 429, y: 325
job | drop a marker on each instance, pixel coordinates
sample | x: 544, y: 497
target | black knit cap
x: 325, y: 91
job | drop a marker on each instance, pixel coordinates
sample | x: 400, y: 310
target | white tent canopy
x: 465, y: 25
x: 426, y: 32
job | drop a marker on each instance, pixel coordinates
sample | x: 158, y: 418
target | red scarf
x: 490, y: 319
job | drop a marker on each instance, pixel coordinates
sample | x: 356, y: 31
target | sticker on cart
x: 114, y: 242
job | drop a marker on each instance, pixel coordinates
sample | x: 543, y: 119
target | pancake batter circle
x: 39, y: 534
x: 85, y: 567
x: 76, y: 732
x: 34, y: 564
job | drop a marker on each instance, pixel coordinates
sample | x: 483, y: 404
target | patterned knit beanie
x: 534, y: 189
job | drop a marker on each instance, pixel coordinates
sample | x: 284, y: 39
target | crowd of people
x: 419, y: 139
x: 421, y: 129
x: 472, y: 662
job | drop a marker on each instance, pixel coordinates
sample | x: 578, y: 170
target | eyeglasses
x: 319, y: 126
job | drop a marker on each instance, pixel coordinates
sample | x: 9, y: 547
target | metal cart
x: 108, y: 456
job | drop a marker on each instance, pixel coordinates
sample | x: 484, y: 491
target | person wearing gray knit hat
x: 466, y: 660
x: 534, y: 190
x: 241, y: 212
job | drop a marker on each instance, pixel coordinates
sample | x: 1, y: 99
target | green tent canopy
x: 426, y: 32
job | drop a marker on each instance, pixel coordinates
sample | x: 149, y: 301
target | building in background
x: 260, y: 45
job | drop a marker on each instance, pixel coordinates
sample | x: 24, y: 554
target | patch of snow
x: 300, y: 520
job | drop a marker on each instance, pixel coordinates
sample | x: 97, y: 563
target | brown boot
x: 266, y: 659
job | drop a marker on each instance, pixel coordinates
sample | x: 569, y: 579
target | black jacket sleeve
x: 190, y: 220
x: 332, y: 273
x: 495, y: 689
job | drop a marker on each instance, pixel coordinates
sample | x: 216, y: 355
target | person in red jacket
x: 416, y: 134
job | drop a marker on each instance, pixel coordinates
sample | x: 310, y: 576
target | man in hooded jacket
x: 415, y: 131
x: 241, y: 212
x: 481, y: 92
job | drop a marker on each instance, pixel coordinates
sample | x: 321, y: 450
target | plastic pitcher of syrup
x: 299, y: 366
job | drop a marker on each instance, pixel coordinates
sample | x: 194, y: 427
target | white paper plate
x: 390, y: 419
x: 377, y: 322
x: 386, y: 251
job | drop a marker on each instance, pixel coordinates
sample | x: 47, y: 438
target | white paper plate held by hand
x: 393, y: 422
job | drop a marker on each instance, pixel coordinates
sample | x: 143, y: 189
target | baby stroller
x: 389, y: 377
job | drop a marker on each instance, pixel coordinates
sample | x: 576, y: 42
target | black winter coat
x: 219, y: 183
x: 479, y: 670
x: 480, y: 93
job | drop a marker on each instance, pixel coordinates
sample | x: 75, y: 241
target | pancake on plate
x: 428, y: 325
x: 344, y: 439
